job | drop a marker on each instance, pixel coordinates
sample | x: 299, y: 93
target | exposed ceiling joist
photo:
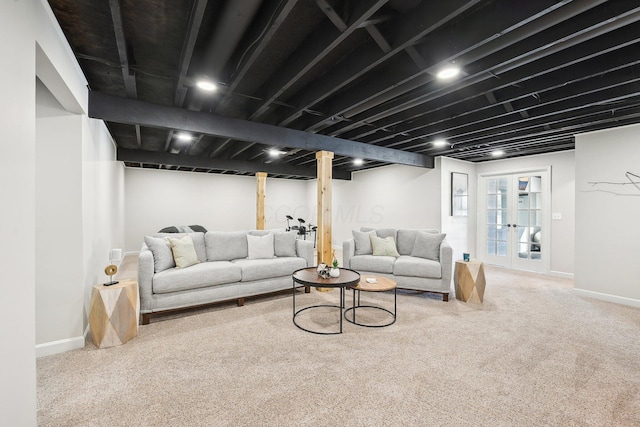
x: 311, y: 53
x: 187, y: 161
x: 532, y: 75
x: 195, y: 21
x: 129, y: 111
x: 427, y: 17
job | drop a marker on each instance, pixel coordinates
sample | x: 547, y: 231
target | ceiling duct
x: 231, y: 26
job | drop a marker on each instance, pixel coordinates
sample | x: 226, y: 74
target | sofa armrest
x: 145, y: 278
x: 304, y: 249
x: 348, y: 250
x: 446, y: 260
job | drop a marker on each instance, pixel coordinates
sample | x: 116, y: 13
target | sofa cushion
x: 417, y: 267
x: 226, y: 245
x: 197, y: 276
x: 372, y: 263
x: 384, y: 247
x: 407, y: 238
x: 284, y: 244
x: 161, y: 250
x: 184, y: 254
x: 258, y: 269
x: 260, y: 247
x: 198, y: 242
x: 363, y: 242
x: 427, y: 245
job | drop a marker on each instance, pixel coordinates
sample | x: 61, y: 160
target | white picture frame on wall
x: 459, y: 194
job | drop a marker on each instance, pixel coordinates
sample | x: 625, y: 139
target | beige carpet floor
x: 533, y: 354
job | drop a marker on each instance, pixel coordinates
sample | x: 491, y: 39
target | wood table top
x: 309, y: 276
x: 382, y: 284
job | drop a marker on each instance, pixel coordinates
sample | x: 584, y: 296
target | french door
x: 513, y: 220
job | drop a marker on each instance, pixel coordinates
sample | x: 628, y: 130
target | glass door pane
x: 497, y: 197
x: 529, y: 223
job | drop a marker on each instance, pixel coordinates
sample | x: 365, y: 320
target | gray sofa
x: 223, y: 270
x: 423, y: 261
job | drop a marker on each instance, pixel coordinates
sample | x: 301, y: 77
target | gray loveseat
x: 423, y: 261
x: 223, y: 271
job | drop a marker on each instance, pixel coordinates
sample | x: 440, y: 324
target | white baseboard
x: 60, y: 346
x: 561, y: 274
x: 608, y: 297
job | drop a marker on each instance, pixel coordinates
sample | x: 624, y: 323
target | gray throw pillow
x: 226, y: 245
x: 427, y: 245
x: 161, y: 250
x: 285, y: 244
x: 363, y: 242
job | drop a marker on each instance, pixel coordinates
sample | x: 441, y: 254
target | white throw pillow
x: 260, y: 247
x: 184, y: 253
x: 384, y: 247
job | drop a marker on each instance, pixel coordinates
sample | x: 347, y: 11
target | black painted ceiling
x: 534, y: 73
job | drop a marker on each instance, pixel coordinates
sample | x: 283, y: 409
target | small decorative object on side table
x: 114, y: 312
x: 335, y: 271
x: 469, y: 281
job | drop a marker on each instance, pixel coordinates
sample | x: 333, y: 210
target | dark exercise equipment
x: 302, y: 229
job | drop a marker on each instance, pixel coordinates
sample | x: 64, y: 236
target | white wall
x: 392, y: 196
x: 17, y: 175
x: 460, y: 230
x: 103, y: 210
x: 607, y: 231
x: 59, y: 290
x: 563, y: 165
x: 79, y: 194
x: 157, y: 198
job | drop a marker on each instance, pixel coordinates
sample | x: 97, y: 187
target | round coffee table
x: 376, y: 284
x: 309, y: 277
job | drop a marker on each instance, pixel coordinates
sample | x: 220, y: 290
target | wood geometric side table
x: 469, y: 281
x: 113, y: 316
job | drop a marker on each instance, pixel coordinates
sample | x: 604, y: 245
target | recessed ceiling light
x: 185, y: 137
x: 206, y: 85
x: 497, y: 153
x: 358, y: 162
x: 440, y: 142
x: 448, y: 72
x: 275, y: 152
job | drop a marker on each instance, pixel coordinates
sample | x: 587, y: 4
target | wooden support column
x: 261, y: 195
x: 325, y: 162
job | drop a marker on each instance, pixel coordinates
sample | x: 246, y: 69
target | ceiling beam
x: 185, y: 160
x: 130, y: 111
